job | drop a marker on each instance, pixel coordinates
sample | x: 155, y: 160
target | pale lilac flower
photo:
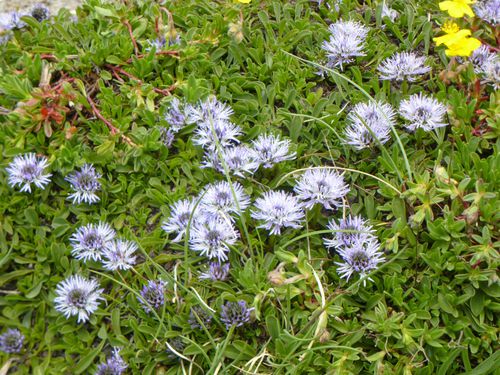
x: 11, y: 341
x: 348, y: 231
x: 369, y: 122
x: 278, y: 210
x: 153, y: 294
x: 11, y: 20
x: 114, y: 365
x: 488, y: 10
x: 156, y: 44
x: 360, y: 257
x: 181, y: 213
x: 403, y: 65
x: 40, y: 12
x: 167, y: 136
x: 421, y: 111
x: 221, y: 133
x: 389, y: 12
x: 487, y: 65
x: 89, y: 241
x: 212, y: 238
x: 346, y: 42
x: 217, y: 271
x: 240, y: 160
x: 85, y: 183
x: 224, y: 199
x: 269, y: 149
x: 323, y: 186
x: 119, y: 255
x: 28, y: 169
x: 235, y: 314
x: 77, y: 296
x: 175, y: 115
x: 209, y: 110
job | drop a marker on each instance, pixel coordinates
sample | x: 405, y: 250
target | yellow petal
x: 464, y: 48
x: 244, y: 1
x: 456, y: 9
x: 449, y: 39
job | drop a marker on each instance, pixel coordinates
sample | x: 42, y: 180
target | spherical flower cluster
x: 369, y: 123
x: 487, y: 65
x: 421, y: 111
x: 114, y: 365
x: 347, y: 40
x: 28, y: 169
x: 361, y: 257
x: 78, y: 296
x: 85, y: 183
x: 270, y: 149
x: 223, y: 199
x: 355, y: 242
x: 277, y: 210
x: 347, y: 231
x: 212, y: 238
x: 401, y: 66
x: 217, y: 271
x: 11, y: 341
x: 323, y: 186
x: 181, y: 217
x: 153, y: 295
x: 235, y: 314
x: 90, y: 241
x: 119, y: 255
x: 488, y: 11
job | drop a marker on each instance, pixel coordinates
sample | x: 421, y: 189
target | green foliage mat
x: 89, y: 90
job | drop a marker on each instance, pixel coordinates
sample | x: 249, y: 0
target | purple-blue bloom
x: 11, y: 341
x: 114, y: 365
x: 222, y: 199
x: 217, y: 271
x: 11, y: 20
x: 89, y: 241
x: 77, y: 296
x: 40, y: 12
x: 348, y: 231
x: 119, y: 255
x: 488, y: 10
x: 235, y: 314
x: 28, y: 169
x: 212, y: 237
x: 323, y: 186
x: 175, y: 115
x: 361, y: 257
x: 403, y: 65
x: 153, y: 294
x: 269, y: 149
x: 347, y: 40
x: 180, y: 215
x: 277, y: 210
x: 421, y: 111
x: 369, y: 122
x: 85, y: 183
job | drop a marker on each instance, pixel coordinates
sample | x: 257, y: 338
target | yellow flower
x: 458, y: 41
x: 243, y: 1
x: 463, y: 48
x: 457, y: 8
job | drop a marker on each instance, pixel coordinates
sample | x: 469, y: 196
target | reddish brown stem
x: 96, y: 111
x: 170, y: 53
x: 116, y: 70
x: 129, y: 27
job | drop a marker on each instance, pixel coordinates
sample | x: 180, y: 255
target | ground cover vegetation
x: 250, y: 187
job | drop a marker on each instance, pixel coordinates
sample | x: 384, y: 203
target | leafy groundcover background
x: 430, y: 308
